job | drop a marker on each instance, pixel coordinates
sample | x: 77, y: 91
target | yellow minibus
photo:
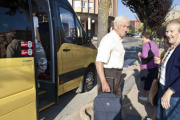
x: 68, y: 50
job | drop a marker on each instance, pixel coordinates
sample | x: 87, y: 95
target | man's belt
x: 116, y: 69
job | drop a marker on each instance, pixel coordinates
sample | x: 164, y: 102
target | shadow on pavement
x: 147, y: 105
x: 140, y: 86
x: 132, y: 112
x: 52, y: 112
x: 58, y: 110
x: 123, y: 76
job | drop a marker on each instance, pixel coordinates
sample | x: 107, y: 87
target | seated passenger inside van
x: 13, y: 48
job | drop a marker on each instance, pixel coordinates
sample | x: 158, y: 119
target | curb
x: 84, y: 114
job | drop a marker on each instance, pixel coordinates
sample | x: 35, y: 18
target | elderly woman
x: 149, y: 71
x: 168, y: 107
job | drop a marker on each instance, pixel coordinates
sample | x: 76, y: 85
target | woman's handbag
x: 153, y: 93
x: 150, y: 56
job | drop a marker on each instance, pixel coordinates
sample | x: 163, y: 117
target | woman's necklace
x: 169, y: 50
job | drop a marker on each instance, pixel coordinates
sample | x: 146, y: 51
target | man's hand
x: 157, y: 60
x: 165, y: 100
x: 100, y: 71
x: 105, y: 87
x: 139, y: 53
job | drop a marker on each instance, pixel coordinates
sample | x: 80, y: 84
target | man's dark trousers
x: 116, y: 86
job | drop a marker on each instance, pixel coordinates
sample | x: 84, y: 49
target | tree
x: 160, y: 34
x: 131, y: 29
x: 14, y: 6
x: 159, y: 13
x: 140, y: 30
x: 148, y: 30
x: 150, y: 12
x: 21, y: 6
x: 103, y: 15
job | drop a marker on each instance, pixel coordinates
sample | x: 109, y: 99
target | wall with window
x: 87, y: 12
x: 172, y: 15
x: 91, y: 6
x: 85, y: 9
x: 77, y: 5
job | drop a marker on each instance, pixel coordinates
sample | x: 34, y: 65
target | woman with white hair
x: 168, y: 107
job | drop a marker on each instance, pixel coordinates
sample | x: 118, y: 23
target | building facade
x: 87, y: 12
x: 173, y: 14
x: 136, y: 24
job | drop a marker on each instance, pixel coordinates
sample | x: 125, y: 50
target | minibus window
x: 68, y: 25
x: 15, y: 30
x: 79, y: 32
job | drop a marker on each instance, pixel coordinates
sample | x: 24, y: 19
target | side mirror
x: 89, y: 36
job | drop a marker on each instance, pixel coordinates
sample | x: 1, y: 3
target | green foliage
x: 148, y: 29
x: 131, y: 29
x: 140, y: 30
x: 150, y: 12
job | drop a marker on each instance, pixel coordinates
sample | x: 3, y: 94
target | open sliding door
x: 17, y: 72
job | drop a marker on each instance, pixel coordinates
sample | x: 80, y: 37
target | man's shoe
x: 148, y: 119
x: 143, y: 98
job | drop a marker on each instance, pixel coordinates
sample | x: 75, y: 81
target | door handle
x: 66, y: 49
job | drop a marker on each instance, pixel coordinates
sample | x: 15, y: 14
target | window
x: 90, y: 5
x: 79, y: 32
x: 84, y: 4
x: 76, y: 4
x: 68, y: 25
x: 15, y: 28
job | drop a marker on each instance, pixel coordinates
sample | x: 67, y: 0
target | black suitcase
x: 107, y: 106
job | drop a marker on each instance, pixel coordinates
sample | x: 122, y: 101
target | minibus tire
x: 89, y: 79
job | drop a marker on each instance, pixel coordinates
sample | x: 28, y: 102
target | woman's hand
x: 139, y: 53
x: 157, y: 60
x: 165, y: 100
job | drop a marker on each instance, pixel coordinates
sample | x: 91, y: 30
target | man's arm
x: 100, y: 70
x: 37, y: 35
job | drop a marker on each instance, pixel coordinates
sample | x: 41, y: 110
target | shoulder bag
x: 150, y: 56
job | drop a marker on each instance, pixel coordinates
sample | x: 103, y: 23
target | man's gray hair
x: 10, y: 35
x: 118, y: 19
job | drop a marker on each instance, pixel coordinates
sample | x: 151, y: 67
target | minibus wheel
x: 89, y: 78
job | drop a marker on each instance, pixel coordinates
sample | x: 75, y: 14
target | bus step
x: 44, y: 104
x: 40, y: 91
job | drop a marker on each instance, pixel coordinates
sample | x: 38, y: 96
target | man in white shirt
x: 40, y: 53
x: 110, y: 57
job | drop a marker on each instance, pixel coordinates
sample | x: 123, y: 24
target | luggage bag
x: 107, y: 106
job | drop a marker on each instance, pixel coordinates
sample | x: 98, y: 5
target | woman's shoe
x: 143, y: 98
